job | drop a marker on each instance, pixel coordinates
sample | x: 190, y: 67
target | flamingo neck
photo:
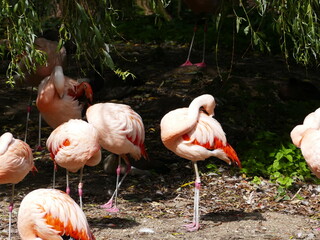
x: 206, y: 102
x: 58, y: 80
x: 5, y: 141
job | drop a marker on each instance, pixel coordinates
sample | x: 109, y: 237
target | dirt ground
x: 155, y: 202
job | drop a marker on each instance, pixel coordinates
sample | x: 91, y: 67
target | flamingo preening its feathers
x: 192, y: 133
x: 73, y: 145
x: 121, y: 131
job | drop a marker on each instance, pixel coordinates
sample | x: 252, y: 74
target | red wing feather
x: 217, y: 143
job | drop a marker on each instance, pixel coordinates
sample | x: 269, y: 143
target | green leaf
x: 246, y: 30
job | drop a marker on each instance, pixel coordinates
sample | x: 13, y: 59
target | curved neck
x: 58, y: 80
x: 5, y: 141
x: 205, y: 101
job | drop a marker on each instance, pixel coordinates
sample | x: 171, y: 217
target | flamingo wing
x: 56, y: 101
x: 120, y: 129
x: 74, y: 143
x: 16, y: 161
x: 310, y: 150
x: 136, y: 133
x: 196, y: 138
x: 50, y: 214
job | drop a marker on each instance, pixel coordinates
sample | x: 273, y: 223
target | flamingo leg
x: 55, y: 168
x: 109, y: 205
x: 67, y: 180
x: 195, y: 225
x: 202, y: 64
x: 28, y: 115
x: 39, y: 148
x: 10, y: 210
x: 80, y: 186
x: 187, y: 62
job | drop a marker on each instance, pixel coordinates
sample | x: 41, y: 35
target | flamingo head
x: 84, y: 88
x: 208, y: 105
x: 297, y: 134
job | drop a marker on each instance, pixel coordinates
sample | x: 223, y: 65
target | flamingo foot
x: 201, y: 64
x: 112, y: 210
x: 187, y: 63
x: 192, y: 227
x: 108, y: 204
x: 109, y: 208
x: 38, y: 148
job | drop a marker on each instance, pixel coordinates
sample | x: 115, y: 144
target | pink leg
x: 55, y: 169
x: 188, y: 63
x: 202, y: 64
x: 28, y: 116
x: 195, y: 225
x: 67, y: 180
x: 10, y: 211
x: 38, y: 147
x: 109, y: 205
x: 80, y: 186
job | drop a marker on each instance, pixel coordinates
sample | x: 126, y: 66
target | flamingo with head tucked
x: 73, y: 145
x: 49, y: 214
x: 192, y: 133
x: 121, y: 131
x: 16, y: 161
x: 58, y: 95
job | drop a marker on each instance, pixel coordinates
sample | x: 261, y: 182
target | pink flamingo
x: 16, y: 161
x: 55, y: 57
x: 200, y: 7
x: 192, y: 133
x: 72, y: 145
x: 49, y: 214
x: 58, y: 95
x: 121, y: 131
x: 307, y: 137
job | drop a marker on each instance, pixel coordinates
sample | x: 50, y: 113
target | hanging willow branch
x: 296, y: 24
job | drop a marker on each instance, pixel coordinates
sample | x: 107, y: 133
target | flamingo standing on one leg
x: 57, y: 98
x: 121, y: 131
x: 72, y: 145
x: 16, y: 161
x: 193, y: 134
x: 50, y: 214
x: 200, y: 7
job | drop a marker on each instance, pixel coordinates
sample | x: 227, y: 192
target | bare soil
x: 155, y: 202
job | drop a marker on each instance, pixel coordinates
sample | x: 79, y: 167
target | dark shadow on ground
x: 112, y: 222
x: 231, y: 216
